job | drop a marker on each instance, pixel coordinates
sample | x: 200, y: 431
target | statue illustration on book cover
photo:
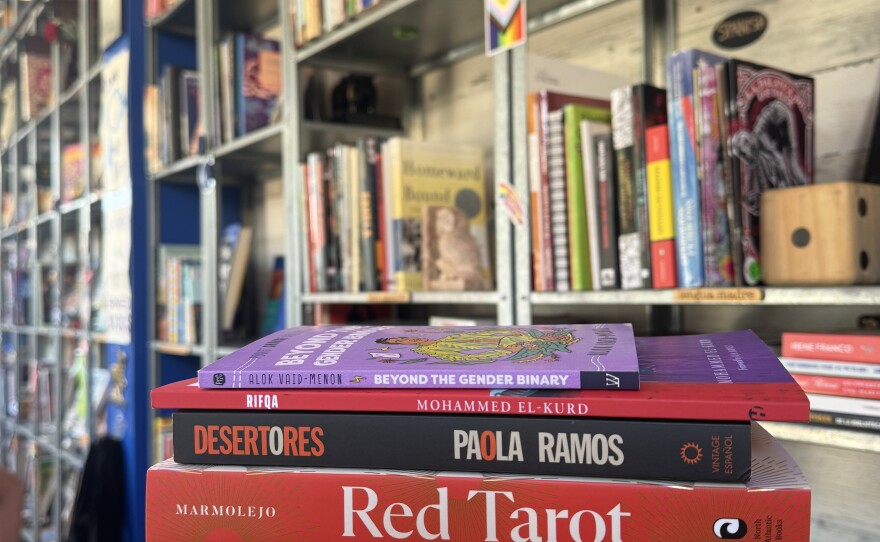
x: 455, y: 347
x: 451, y: 254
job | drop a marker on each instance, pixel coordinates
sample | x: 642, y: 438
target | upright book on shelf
x: 258, y: 81
x: 419, y: 174
x: 721, y: 376
x: 771, y: 145
x: 186, y: 502
x: 596, y: 356
x: 684, y: 156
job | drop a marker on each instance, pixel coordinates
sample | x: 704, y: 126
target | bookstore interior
x: 469, y: 270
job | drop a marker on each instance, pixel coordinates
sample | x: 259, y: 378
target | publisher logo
x: 691, y: 453
x: 730, y: 528
x: 219, y: 379
x: 611, y: 381
x: 757, y: 412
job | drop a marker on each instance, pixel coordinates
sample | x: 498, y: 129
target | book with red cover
x: 725, y: 376
x: 862, y: 388
x: 575, y: 356
x: 858, y: 347
x: 197, y: 502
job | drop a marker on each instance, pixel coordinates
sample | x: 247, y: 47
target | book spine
x: 629, y: 240
x: 830, y: 367
x: 367, y: 203
x: 689, y: 248
x: 578, y: 234
x: 713, y: 186
x: 660, y: 211
x: 649, y: 109
x: 829, y: 346
x: 685, y: 451
x: 849, y: 421
x: 558, y: 200
x: 844, y: 405
x: 198, y: 504
x: 543, y: 129
x: 588, y: 133
x: 445, y: 378
x: 535, y: 197
x: 843, y: 386
x: 730, y: 170
x: 606, y: 212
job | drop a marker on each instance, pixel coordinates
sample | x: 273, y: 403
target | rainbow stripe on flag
x: 505, y: 24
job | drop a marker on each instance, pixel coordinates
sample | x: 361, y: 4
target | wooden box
x: 822, y: 234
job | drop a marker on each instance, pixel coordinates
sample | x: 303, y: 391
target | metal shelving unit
x: 48, y: 348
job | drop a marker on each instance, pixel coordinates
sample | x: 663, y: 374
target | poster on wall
x: 112, y: 298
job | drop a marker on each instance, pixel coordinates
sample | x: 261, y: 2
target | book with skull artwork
x: 770, y: 142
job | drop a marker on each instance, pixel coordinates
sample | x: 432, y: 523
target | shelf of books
x: 55, y: 372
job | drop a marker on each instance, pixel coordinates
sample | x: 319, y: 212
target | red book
x: 862, y: 388
x: 196, y: 502
x: 863, y: 348
x: 723, y: 376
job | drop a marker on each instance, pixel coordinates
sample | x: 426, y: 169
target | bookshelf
x: 65, y: 368
x: 257, y: 174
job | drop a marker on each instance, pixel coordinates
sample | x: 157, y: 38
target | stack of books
x: 575, y: 432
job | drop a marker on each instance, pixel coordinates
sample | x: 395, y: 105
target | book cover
x: 683, y: 152
x: 660, y: 213
x: 689, y: 451
x: 852, y: 347
x: 606, y: 212
x: 258, y: 81
x: 431, y: 174
x: 723, y: 376
x: 235, y: 251
x: 771, y: 144
x: 714, y: 193
x: 199, y: 502
x: 599, y: 356
x: 579, y: 248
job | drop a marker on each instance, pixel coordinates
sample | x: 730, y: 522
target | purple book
x: 594, y: 356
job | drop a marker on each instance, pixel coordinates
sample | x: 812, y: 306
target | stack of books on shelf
x: 575, y: 432
x: 660, y: 188
x: 313, y: 18
x: 249, y: 97
x: 840, y: 373
x: 396, y: 215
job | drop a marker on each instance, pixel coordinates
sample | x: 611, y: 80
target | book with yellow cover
x: 430, y: 174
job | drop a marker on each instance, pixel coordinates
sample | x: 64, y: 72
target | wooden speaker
x: 821, y: 234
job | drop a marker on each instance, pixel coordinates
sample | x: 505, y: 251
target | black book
x: 532, y: 445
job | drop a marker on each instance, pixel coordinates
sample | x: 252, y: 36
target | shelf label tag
x: 505, y: 23
x: 719, y: 295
